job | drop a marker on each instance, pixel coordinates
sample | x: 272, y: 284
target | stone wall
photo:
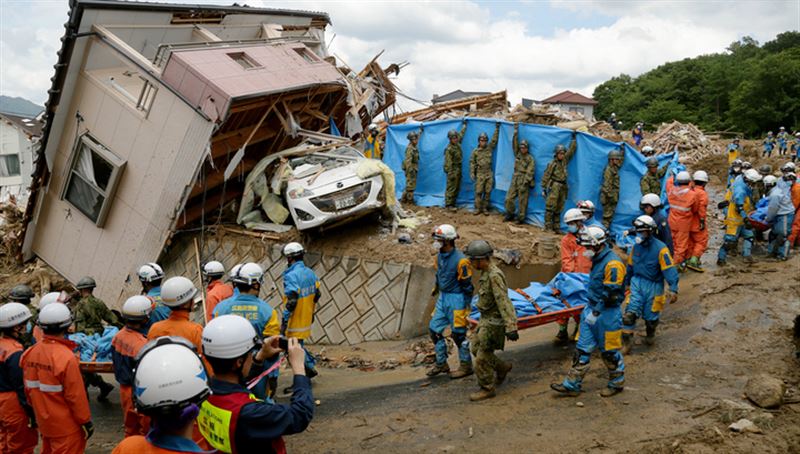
x: 362, y: 300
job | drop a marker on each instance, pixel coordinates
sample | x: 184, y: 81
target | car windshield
x: 315, y: 162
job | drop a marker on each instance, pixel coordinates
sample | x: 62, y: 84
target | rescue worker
x: 411, y: 164
x: 178, y: 294
x: 453, y: 285
x: 796, y: 154
x: 698, y: 237
x: 601, y: 320
x: 452, y: 165
x: 683, y: 208
x: 47, y: 298
x: 789, y: 172
x: 651, y: 181
x: 746, y: 165
x: 734, y: 171
x: 171, y: 384
x: 232, y: 420
x: 23, y: 294
x: 265, y: 320
x: 638, y: 133
x: 90, y: 313
x: 522, y: 181
x: 648, y: 151
x: 609, y: 191
x: 18, y: 432
x: 588, y: 210
x: 480, y: 170
x: 54, y: 387
x: 612, y: 120
x: 650, y: 204
x: 769, y: 144
x: 737, y: 225
x: 733, y: 151
x: 783, y: 141
x: 300, y: 296
x: 554, y: 184
x: 498, y: 321
x: 780, y: 215
x: 572, y: 261
x: 151, y: 275
x: 124, y: 348
x: 372, y: 143
x: 216, y: 291
x: 649, y: 264
x: 759, y: 191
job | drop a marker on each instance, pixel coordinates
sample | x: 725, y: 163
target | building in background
x: 457, y: 94
x: 569, y: 101
x: 19, y: 136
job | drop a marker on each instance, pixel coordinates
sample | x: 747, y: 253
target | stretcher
x: 543, y: 318
x: 97, y: 367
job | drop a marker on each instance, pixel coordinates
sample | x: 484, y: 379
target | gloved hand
x: 88, y: 430
x: 422, y: 126
x: 702, y: 224
x: 747, y: 224
x: 591, y: 319
x: 512, y: 336
x: 724, y: 204
x: 673, y: 298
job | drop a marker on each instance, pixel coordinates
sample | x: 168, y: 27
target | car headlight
x: 300, y: 193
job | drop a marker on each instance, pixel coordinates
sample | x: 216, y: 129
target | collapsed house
x: 18, y: 138
x: 159, y: 112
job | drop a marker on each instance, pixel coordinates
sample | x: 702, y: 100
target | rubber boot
x: 438, y: 369
x: 464, y: 371
x: 560, y: 388
x: 502, y: 372
x: 650, y: 340
x: 105, y: 390
x: 508, y: 217
x: 483, y: 394
x: 562, y: 338
x: 627, y: 343
x: 608, y: 392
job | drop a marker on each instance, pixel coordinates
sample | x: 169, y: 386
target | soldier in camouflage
x: 480, y: 170
x: 522, y: 181
x: 411, y: 165
x: 23, y: 294
x: 90, y: 313
x: 498, y: 321
x: 609, y: 191
x: 651, y: 181
x: 452, y: 165
x: 554, y: 185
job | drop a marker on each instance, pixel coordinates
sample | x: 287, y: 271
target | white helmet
x: 169, y: 376
x: 574, y: 214
x: 249, y: 273
x: 232, y: 273
x: 53, y: 297
x: 177, y: 290
x: 644, y: 222
x: 293, y: 249
x: 372, y: 127
x: 228, y: 336
x: 213, y: 269
x: 13, y: 314
x: 150, y: 272
x: 789, y: 167
x: 770, y: 180
x: 647, y: 150
x: 445, y: 232
x: 650, y: 199
x: 752, y: 175
x: 55, y: 315
x: 683, y: 177
x: 701, y: 176
x: 137, y: 307
x: 592, y: 236
x: 587, y: 206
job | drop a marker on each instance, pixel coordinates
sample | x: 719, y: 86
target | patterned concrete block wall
x: 362, y: 300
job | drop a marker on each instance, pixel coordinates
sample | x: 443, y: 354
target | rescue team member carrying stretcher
x: 18, y: 432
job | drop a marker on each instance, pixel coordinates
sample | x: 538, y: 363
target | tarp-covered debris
x: 571, y: 287
x: 585, y: 169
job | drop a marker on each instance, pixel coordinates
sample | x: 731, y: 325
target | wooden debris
x: 690, y: 141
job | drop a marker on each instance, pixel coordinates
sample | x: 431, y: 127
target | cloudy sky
x: 532, y: 48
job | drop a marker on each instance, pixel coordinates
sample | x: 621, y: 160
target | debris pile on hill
x: 692, y: 144
x: 605, y: 130
x: 11, y: 232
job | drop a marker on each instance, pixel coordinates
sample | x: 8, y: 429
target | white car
x: 324, y: 188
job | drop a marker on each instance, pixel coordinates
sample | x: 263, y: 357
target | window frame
x: 19, y: 165
x: 117, y: 167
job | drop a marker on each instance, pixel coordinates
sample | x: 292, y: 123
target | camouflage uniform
x: 651, y: 184
x: 497, y: 318
x: 521, y: 182
x: 480, y: 170
x: 90, y: 314
x: 609, y: 193
x: 452, y: 167
x: 411, y: 168
x: 554, y: 186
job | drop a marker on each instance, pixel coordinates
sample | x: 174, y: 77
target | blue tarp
x: 99, y: 344
x: 585, y: 169
x: 571, y: 285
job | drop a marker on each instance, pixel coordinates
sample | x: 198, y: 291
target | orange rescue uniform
x: 699, y: 238
x: 572, y: 258
x: 125, y: 346
x: 169, y: 445
x: 178, y: 324
x: 794, y: 237
x: 15, y: 435
x: 217, y: 291
x: 54, y: 388
x: 682, y: 211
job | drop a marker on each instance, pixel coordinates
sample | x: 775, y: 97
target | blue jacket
x: 254, y: 309
x: 651, y: 260
x: 606, y: 280
x: 161, y: 312
x: 301, y: 292
x: 454, y: 273
x: 741, y: 194
x: 780, y: 200
x: 664, y: 234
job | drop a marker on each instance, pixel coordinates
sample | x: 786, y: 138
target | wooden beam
x: 195, y: 211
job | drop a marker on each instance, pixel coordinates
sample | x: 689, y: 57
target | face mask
x: 588, y: 253
x: 639, y: 239
x: 437, y: 245
x: 572, y: 228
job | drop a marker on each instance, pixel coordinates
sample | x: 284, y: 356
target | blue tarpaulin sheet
x: 585, y: 169
x: 96, y: 347
x: 571, y: 285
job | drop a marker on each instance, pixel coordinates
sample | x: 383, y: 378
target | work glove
x: 591, y: 319
x: 747, y: 224
x: 513, y: 336
x: 724, y: 204
x: 702, y: 224
x: 88, y: 430
x: 673, y: 298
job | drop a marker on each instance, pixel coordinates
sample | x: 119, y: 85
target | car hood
x: 327, y: 178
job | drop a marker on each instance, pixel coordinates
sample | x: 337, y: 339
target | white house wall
x: 15, y: 141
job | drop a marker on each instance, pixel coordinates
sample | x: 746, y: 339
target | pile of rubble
x: 494, y: 105
x: 605, y: 130
x: 690, y: 141
x: 10, y: 233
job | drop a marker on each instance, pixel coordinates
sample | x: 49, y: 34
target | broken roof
x: 569, y: 97
x: 457, y: 94
x: 31, y: 126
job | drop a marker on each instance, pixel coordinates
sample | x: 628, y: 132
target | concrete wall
x: 362, y: 300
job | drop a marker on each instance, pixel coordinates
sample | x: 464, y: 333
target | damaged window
x: 9, y: 165
x: 244, y: 60
x: 92, y: 179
